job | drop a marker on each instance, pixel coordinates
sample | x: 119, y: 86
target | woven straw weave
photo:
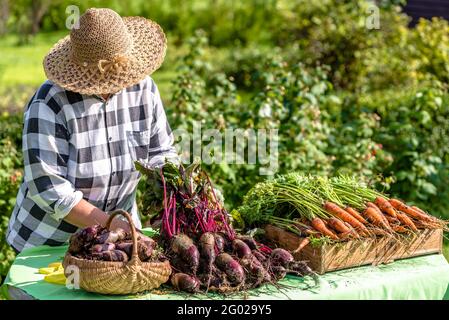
x: 106, y: 53
x: 119, y: 277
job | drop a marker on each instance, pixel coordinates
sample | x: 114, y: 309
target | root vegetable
x: 231, y: 268
x: 220, y: 243
x: 279, y: 272
x: 402, y: 217
x: 240, y: 248
x: 249, y: 241
x: 183, y: 246
x: 112, y: 255
x: 319, y: 225
x: 338, y: 225
x: 76, y: 244
x: 259, y: 255
x: 376, y: 218
x: 385, y: 206
x: 335, y: 210
x: 111, y: 236
x: 103, y: 247
x: 299, y: 268
x: 255, y: 270
x: 280, y: 257
x: 207, y: 247
x: 398, y: 205
x: 302, y: 244
x: 185, y: 282
x: 356, y: 215
x: 126, y: 246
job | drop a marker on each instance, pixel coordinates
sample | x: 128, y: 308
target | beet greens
x: 204, y: 250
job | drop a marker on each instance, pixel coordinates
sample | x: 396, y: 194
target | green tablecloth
x: 424, y: 277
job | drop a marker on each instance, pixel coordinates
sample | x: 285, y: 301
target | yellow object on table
x: 54, y: 273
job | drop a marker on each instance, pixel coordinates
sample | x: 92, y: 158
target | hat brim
x: 146, y: 56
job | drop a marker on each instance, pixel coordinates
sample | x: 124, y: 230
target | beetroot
x: 207, y: 247
x: 183, y: 246
x: 185, y: 282
x: 259, y: 255
x: 240, y: 248
x: 220, y: 243
x: 111, y: 236
x: 103, y: 247
x: 254, y: 269
x: 251, y: 243
x: 280, y: 257
x: 279, y: 272
x: 112, y: 255
x: 231, y: 267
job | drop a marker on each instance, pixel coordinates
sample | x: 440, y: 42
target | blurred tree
x: 28, y: 14
x: 4, y: 15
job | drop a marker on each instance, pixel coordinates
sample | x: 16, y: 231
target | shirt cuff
x: 64, y: 207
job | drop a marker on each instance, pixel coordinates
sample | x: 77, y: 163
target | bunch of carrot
x: 336, y: 209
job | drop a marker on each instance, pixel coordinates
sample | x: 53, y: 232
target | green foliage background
x: 345, y: 98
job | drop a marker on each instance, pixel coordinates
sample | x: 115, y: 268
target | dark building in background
x: 426, y: 9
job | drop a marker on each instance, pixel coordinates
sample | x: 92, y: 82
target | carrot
x: 392, y: 220
x: 376, y: 218
x: 385, y: 206
x: 335, y: 210
x: 419, y: 210
x: 338, y: 225
x: 356, y: 214
x: 302, y: 244
x: 319, y: 225
x: 407, y: 221
x: 399, y: 205
x: 399, y: 229
x: 375, y: 207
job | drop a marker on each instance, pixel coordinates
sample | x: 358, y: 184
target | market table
x: 425, y: 277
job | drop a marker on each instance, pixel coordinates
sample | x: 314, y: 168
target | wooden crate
x: 353, y: 253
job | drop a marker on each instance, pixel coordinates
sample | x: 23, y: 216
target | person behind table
x: 98, y: 112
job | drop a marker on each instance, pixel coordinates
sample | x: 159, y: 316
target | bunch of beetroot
x: 98, y: 243
x: 204, y: 250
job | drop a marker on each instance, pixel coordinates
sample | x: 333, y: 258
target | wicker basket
x: 130, y: 277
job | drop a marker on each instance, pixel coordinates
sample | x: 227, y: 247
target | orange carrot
x: 385, y: 206
x: 407, y: 221
x: 392, y: 220
x: 381, y: 214
x: 304, y: 242
x: 376, y: 218
x: 338, y: 225
x: 399, y: 229
x: 356, y: 214
x: 399, y: 205
x: 319, y: 225
x: 335, y: 210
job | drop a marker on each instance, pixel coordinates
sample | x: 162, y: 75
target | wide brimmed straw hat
x: 106, y: 54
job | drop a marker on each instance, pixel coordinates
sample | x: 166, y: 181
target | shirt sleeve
x: 161, y: 139
x: 46, y: 153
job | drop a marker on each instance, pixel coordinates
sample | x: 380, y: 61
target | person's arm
x: 84, y: 214
x: 161, y: 141
x: 46, y: 153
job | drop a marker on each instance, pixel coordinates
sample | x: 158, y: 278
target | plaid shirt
x: 77, y: 146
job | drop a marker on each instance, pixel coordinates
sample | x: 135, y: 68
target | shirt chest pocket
x: 138, y: 144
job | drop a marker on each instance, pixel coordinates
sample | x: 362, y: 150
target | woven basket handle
x: 112, y: 215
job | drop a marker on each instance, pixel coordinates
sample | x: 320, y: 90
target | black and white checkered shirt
x: 77, y: 146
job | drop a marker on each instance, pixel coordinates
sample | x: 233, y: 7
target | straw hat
x: 106, y: 53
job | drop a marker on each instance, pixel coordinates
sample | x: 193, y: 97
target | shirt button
x: 113, y: 173
x: 110, y: 138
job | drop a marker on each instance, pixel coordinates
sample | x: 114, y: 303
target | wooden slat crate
x: 353, y: 253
